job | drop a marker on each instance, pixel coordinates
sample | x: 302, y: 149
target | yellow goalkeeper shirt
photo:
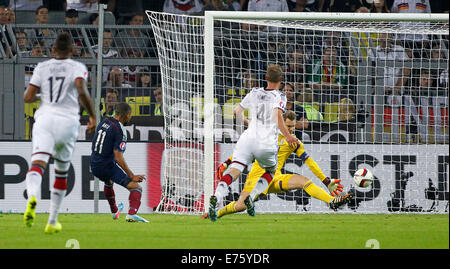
x: 285, y: 150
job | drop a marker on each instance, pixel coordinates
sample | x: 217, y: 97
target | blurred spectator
x: 47, y: 35
x: 347, y: 109
x: 328, y: 73
x: 334, y: 40
x: 394, y: 78
x: 247, y: 81
x: 125, y: 9
x: 268, y: 5
x: 4, y: 43
x: 82, y: 5
x: 111, y: 99
x: 225, y: 5
x: 218, y: 5
x: 305, y: 99
x: 340, y: 5
x: 7, y: 16
x: 71, y: 16
x: 302, y: 121
x: 3, y: 15
x: 23, y: 44
x: 265, y: 5
x: 38, y: 49
x: 437, y: 54
x: 108, y: 51
x: 93, y: 19
x: 156, y: 108
x: 352, y: 74
x: 25, y: 4
x: 183, y: 7
x: 379, y: 6
x: 92, y: 32
x: 131, y: 71
x: 297, y: 66
x: 298, y: 6
x: 362, y: 9
x: 236, y: 5
x: 414, y: 42
x: 133, y: 38
x: 144, y: 80
x: 116, y: 79
x: 423, y: 86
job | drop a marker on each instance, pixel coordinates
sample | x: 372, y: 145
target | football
x: 363, y: 178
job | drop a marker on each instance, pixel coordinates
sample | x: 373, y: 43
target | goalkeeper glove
x: 222, y: 167
x: 333, y: 186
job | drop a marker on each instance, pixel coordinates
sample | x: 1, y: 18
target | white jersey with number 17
x: 261, y: 103
x: 56, y: 81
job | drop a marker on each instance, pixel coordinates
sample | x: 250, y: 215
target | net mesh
x: 367, y: 94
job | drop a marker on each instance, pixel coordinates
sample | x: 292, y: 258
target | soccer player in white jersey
x: 62, y: 83
x: 260, y: 140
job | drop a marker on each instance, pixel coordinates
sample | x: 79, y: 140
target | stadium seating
x: 57, y: 17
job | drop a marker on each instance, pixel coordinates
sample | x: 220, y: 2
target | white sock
x: 33, y: 181
x: 57, y: 197
x: 260, y: 186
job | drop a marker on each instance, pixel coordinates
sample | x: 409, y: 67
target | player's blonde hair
x: 274, y: 73
x: 346, y: 109
x: 289, y: 114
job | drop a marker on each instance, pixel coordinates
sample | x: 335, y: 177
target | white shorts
x: 247, y: 150
x: 54, y: 136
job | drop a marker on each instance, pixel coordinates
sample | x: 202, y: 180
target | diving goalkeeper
x: 285, y: 182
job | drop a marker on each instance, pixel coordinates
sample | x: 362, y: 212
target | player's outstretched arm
x: 31, y: 94
x: 333, y: 185
x: 118, y: 156
x: 86, y: 102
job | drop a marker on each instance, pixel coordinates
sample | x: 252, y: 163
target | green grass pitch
x: 239, y: 231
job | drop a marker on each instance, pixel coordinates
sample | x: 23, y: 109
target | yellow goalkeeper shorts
x: 277, y: 185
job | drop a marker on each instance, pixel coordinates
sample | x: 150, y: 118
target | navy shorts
x: 113, y: 173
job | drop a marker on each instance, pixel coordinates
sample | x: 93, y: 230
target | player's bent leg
x: 33, y: 182
x: 226, y: 180
x: 57, y: 194
x: 261, y: 185
x: 317, y: 192
x: 234, y: 207
x: 216, y: 200
x: 110, y: 196
x: 135, y: 202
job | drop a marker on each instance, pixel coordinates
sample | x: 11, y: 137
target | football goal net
x: 369, y: 91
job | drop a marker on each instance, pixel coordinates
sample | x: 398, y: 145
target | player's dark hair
x: 122, y: 109
x: 63, y: 43
x: 289, y: 114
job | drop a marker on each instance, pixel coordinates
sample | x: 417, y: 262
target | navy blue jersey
x: 109, y: 136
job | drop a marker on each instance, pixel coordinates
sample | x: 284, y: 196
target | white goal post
x: 192, y: 54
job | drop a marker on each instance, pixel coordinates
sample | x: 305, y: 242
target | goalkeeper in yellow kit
x: 284, y: 182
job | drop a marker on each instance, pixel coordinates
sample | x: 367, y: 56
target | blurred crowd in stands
x: 309, y: 70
